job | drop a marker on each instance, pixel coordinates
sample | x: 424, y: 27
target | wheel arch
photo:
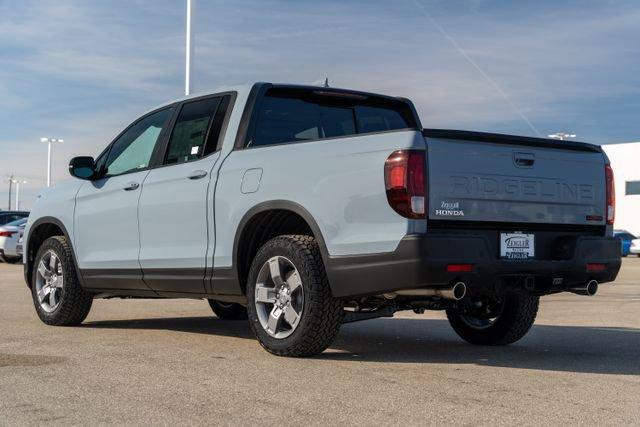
x: 39, y: 231
x: 274, y: 218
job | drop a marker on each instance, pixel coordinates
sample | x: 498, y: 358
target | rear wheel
x: 57, y: 295
x: 228, y: 310
x: 291, y: 309
x: 504, y: 323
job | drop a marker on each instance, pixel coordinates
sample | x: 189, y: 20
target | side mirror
x: 82, y: 167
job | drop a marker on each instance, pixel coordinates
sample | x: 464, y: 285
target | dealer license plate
x: 517, y: 245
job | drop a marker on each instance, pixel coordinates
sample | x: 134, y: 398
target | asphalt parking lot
x: 171, y: 361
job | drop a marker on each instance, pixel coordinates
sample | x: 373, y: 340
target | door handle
x: 197, y: 174
x: 131, y: 186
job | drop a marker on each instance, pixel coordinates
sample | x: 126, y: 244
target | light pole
x: 17, y: 182
x: 49, y: 141
x: 10, y: 189
x: 562, y: 136
x: 189, y: 47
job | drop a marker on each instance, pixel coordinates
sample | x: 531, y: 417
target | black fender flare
x: 29, y: 257
x: 281, y: 205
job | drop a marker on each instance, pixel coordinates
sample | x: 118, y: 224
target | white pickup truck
x: 304, y: 207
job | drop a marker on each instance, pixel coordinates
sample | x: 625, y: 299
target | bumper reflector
x: 459, y: 268
x: 596, y: 268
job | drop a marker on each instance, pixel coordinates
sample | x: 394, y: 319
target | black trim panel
x: 421, y: 261
x: 130, y: 279
x: 183, y: 280
x: 596, y: 230
x: 225, y: 281
x: 256, y: 92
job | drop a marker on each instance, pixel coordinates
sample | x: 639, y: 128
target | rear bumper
x: 421, y: 261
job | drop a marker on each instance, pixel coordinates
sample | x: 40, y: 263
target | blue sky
x: 82, y: 70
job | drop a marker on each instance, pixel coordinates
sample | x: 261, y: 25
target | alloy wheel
x: 49, y: 281
x: 279, y: 297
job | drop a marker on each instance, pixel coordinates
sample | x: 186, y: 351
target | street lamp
x: 49, y: 141
x: 188, y: 65
x: 17, y: 182
x: 562, y: 136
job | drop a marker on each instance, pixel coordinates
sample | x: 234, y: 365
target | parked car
x: 9, y: 234
x: 634, y: 248
x: 625, y: 238
x: 303, y: 208
x: 10, y: 216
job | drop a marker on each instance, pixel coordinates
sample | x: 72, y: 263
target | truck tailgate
x: 501, y: 178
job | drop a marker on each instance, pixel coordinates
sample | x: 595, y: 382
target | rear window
x: 9, y: 217
x: 17, y: 222
x: 291, y: 115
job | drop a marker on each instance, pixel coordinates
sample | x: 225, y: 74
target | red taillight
x: 596, y: 268
x: 405, y: 182
x: 459, y: 268
x: 7, y: 233
x: 611, y: 194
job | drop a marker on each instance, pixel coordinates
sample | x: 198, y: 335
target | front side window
x: 292, y: 114
x: 191, y: 131
x: 132, y: 151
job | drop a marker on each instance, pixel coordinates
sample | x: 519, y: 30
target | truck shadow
x: 583, y: 349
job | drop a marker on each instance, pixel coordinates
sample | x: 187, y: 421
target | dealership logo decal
x: 449, y: 209
x: 517, y: 242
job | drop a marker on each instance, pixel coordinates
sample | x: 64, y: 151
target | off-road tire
x: 322, y: 313
x: 75, y: 302
x: 228, y: 310
x: 517, y: 317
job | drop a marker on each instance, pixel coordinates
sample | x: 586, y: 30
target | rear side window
x: 291, y: 115
x: 192, y: 131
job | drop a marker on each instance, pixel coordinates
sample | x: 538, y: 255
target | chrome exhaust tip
x: 455, y: 292
x: 589, y: 289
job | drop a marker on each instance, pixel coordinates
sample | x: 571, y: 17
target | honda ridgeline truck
x: 303, y: 208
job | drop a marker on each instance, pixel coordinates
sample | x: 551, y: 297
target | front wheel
x: 57, y: 295
x: 290, y: 305
x: 505, y: 323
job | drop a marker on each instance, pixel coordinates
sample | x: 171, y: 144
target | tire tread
x: 325, y: 313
